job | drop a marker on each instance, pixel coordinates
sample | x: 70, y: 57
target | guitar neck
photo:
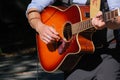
x: 84, y: 25
x: 110, y: 15
x: 81, y: 26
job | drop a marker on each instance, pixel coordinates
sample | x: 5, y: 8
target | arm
x: 99, y: 23
x: 114, y: 24
x: 47, y: 33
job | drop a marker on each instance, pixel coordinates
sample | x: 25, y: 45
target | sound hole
x: 67, y: 31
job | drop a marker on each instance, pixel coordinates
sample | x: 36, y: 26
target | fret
x: 90, y: 23
x: 111, y: 15
x: 107, y: 16
x: 81, y: 26
x: 118, y: 11
x: 87, y: 24
x: 75, y: 28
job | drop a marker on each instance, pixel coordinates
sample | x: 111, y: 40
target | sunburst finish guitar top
x: 75, y: 33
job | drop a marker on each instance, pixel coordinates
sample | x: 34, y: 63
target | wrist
x: 39, y: 26
x: 35, y: 23
x: 34, y: 18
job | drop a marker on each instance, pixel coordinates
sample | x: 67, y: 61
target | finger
x: 99, y: 14
x: 93, y: 23
x: 53, y: 33
x: 46, y: 40
x: 53, y: 30
x: 49, y: 37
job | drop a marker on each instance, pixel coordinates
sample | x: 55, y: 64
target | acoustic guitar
x: 75, y: 29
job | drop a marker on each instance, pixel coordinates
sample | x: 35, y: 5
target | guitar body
x: 67, y: 52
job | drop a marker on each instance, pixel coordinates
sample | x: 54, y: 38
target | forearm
x: 46, y: 33
x: 34, y: 18
x: 33, y: 12
x: 114, y: 24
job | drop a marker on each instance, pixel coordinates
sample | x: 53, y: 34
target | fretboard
x: 81, y: 26
x: 86, y: 24
x: 110, y: 15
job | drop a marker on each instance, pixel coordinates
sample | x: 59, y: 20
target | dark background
x: 18, y: 53
x: 15, y: 32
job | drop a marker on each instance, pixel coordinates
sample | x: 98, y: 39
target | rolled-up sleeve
x: 39, y: 4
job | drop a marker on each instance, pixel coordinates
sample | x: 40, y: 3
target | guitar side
x: 59, y: 55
